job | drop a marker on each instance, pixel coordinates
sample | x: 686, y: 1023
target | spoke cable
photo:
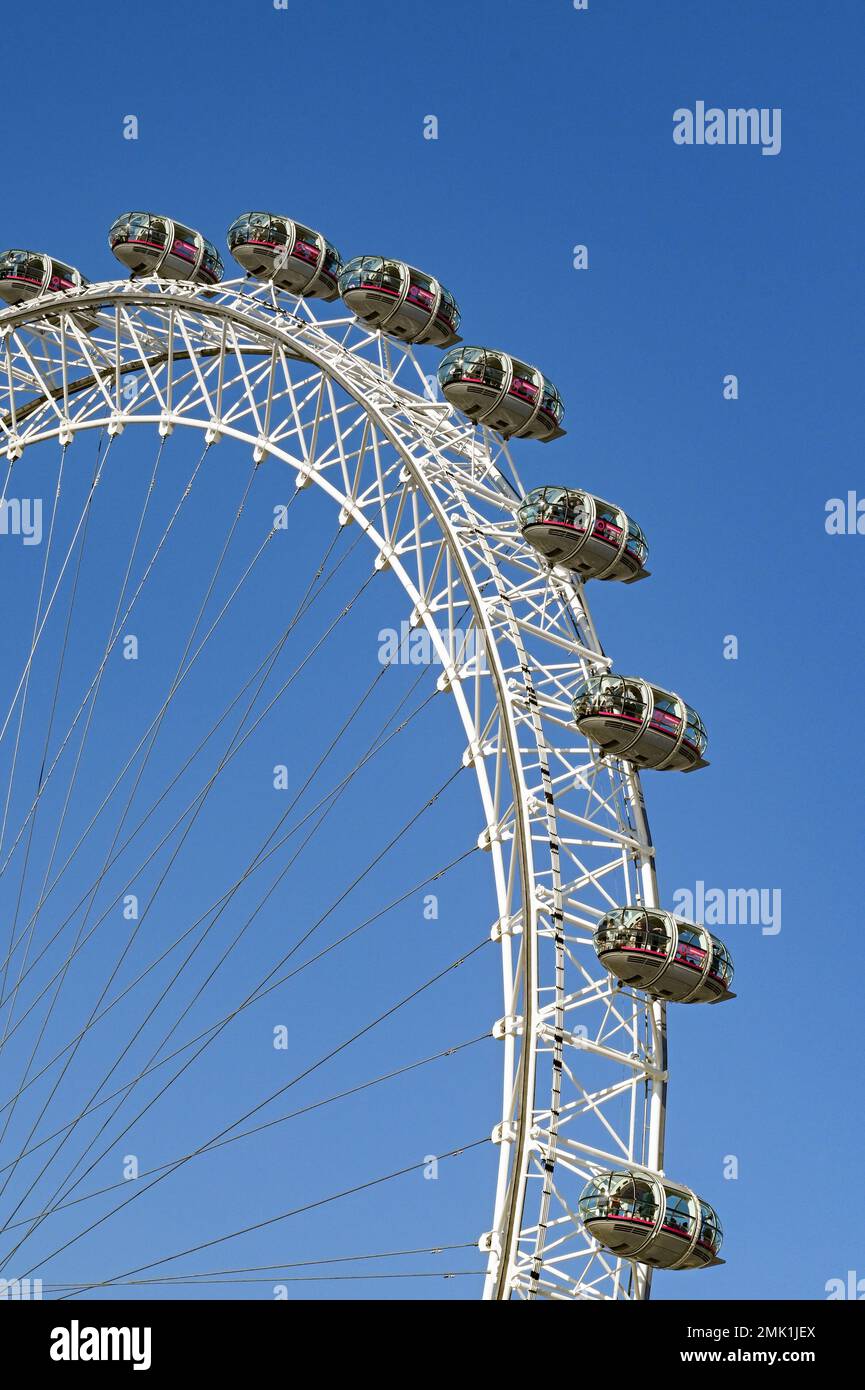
x: 286, y: 1215
x: 260, y: 1128
x: 59, y: 1190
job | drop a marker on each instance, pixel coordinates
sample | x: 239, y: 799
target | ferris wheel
x: 307, y: 369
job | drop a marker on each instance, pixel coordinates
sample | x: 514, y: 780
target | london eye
x: 291, y: 585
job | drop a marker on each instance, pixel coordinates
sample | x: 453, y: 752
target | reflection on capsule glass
x: 629, y: 718
x: 27, y: 274
x: 664, y: 956
x: 496, y: 390
x: 644, y: 1217
x: 148, y: 244
x: 400, y: 300
x: 294, y: 257
x: 583, y: 533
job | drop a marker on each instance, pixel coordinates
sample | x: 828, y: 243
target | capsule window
x: 690, y: 948
x: 607, y: 523
x: 62, y: 277
x: 679, y: 1215
x: 618, y: 696
x: 711, y: 1233
x: 306, y: 245
x: 657, y: 939
x: 259, y: 229
x: 212, y: 262
x: 448, y: 310
x: 634, y: 703
x: 148, y: 230
x: 594, y: 1198
x: 135, y: 227
x: 390, y: 277
x: 352, y: 274
x: 630, y: 1197
x: 331, y: 260
x: 636, y: 542
x: 592, y: 694
x: 578, y: 510
x: 551, y: 402
x: 24, y: 265
x: 695, y: 731
x: 619, y: 1195
x: 633, y: 929
x: 494, y: 370
x: 666, y: 714
x: 608, y: 695
x: 645, y: 1204
x: 612, y: 935
x: 722, y: 964
x: 239, y: 232
x: 186, y: 244
x: 556, y: 504
x: 525, y: 382
x: 548, y: 504
x: 422, y: 288
x: 668, y: 704
x: 453, y: 366
x: 367, y: 271
x: 119, y: 231
x: 632, y: 916
x: 470, y: 362
x: 649, y: 933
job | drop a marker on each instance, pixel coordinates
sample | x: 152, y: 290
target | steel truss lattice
x: 584, y: 1059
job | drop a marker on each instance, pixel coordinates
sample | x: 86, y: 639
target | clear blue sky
x: 555, y: 128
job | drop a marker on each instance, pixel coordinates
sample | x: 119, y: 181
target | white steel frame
x: 584, y: 1058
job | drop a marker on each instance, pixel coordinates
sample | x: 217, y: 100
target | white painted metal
x: 584, y: 1059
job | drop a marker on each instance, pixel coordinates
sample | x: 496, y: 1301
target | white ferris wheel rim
x: 75, y: 383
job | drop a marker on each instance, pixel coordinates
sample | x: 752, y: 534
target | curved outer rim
x: 309, y: 341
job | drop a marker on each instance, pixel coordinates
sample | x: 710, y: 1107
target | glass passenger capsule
x: 629, y: 718
x: 664, y: 956
x: 27, y: 274
x: 400, y: 300
x: 644, y: 1217
x: 583, y: 533
x: 151, y: 245
x: 294, y: 257
x: 497, y: 390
